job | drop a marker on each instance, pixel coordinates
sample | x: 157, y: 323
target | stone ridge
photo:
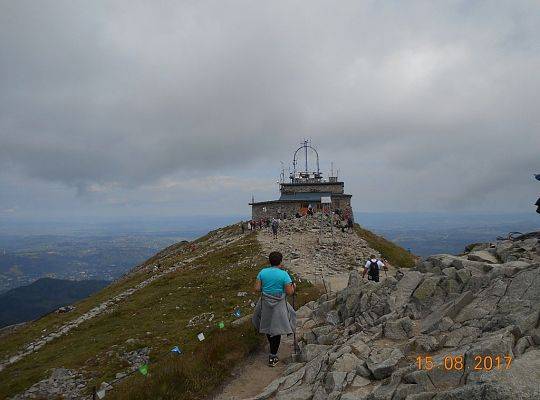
x: 317, y: 252
x: 362, y: 342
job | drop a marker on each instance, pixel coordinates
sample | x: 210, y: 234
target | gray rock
x: 334, y: 381
x: 523, y: 344
x: 338, y: 353
x: 463, y: 275
x: 406, y: 286
x: 461, y: 336
x: 363, y: 371
x: 296, y: 393
x: 421, y: 378
x: 426, y: 343
x: 483, y: 256
x: 520, y: 380
x: 406, y: 389
x: 304, y: 312
x: 310, y: 351
x: 360, y: 348
x: 450, y: 272
x: 384, y: 363
x: 399, y: 329
x: 360, y: 381
x: 346, y: 363
x: 449, y: 309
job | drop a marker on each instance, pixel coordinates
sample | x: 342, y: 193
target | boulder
x: 360, y: 381
x: 346, y: 363
x: 426, y: 288
x: 463, y: 275
x: 382, y: 364
x: 360, y: 348
x: 334, y: 381
x: 521, y: 379
x: 310, y: 351
x: 405, y: 287
x: 482, y: 256
x: 449, y: 309
x: 296, y: 393
x: 399, y: 329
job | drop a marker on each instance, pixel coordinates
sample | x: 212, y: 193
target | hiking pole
x: 296, y: 348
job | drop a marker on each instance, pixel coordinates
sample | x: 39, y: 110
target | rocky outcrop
x: 454, y: 327
x: 316, y: 251
x: 62, y: 383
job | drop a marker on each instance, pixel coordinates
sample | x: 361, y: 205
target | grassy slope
x: 397, y: 255
x: 156, y: 317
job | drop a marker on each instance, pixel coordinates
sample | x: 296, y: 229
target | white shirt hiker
x: 380, y: 264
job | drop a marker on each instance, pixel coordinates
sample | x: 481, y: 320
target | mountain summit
x: 177, y: 326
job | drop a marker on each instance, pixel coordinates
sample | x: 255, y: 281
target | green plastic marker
x: 221, y: 325
x: 143, y: 369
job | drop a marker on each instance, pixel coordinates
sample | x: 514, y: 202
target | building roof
x: 302, y: 183
x: 304, y: 196
x: 294, y: 198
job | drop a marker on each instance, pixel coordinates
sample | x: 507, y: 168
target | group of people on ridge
x: 259, y: 224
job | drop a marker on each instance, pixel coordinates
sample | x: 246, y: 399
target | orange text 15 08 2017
x: 457, y: 362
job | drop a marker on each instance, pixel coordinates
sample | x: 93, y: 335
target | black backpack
x: 373, y: 269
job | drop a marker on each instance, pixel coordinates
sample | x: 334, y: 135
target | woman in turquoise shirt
x: 273, y: 315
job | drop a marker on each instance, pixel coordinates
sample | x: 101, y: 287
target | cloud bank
x: 422, y: 105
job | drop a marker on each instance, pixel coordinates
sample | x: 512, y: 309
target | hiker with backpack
x: 275, y: 227
x: 273, y: 315
x: 373, y: 267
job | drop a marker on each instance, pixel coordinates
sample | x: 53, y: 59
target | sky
x: 163, y: 108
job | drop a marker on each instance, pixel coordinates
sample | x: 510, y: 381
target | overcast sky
x: 129, y: 108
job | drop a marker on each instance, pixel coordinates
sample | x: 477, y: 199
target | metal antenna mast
x: 305, y: 151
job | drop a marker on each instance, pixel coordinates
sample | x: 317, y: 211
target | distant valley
x: 24, y: 259
x: 435, y: 233
x: 43, y: 296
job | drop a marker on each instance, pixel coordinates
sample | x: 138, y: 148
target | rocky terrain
x: 453, y: 327
x: 318, y: 252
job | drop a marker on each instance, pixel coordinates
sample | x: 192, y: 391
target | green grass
x: 157, y: 317
x: 396, y: 255
x: 196, y: 374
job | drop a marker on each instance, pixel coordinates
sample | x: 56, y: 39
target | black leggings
x: 274, y: 343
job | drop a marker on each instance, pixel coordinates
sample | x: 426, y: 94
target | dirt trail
x: 325, y: 259
x: 254, y: 375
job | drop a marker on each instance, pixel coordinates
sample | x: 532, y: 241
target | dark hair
x: 275, y: 258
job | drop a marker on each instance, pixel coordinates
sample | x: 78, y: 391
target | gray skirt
x: 274, y: 315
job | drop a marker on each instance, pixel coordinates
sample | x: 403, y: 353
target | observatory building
x: 306, y: 188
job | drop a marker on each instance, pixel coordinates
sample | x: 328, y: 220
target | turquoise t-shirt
x: 273, y: 280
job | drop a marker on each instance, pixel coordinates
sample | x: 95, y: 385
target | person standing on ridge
x: 273, y: 315
x: 372, y: 268
x: 275, y: 227
x: 350, y: 223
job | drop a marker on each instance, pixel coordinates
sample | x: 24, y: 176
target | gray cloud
x: 432, y: 103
